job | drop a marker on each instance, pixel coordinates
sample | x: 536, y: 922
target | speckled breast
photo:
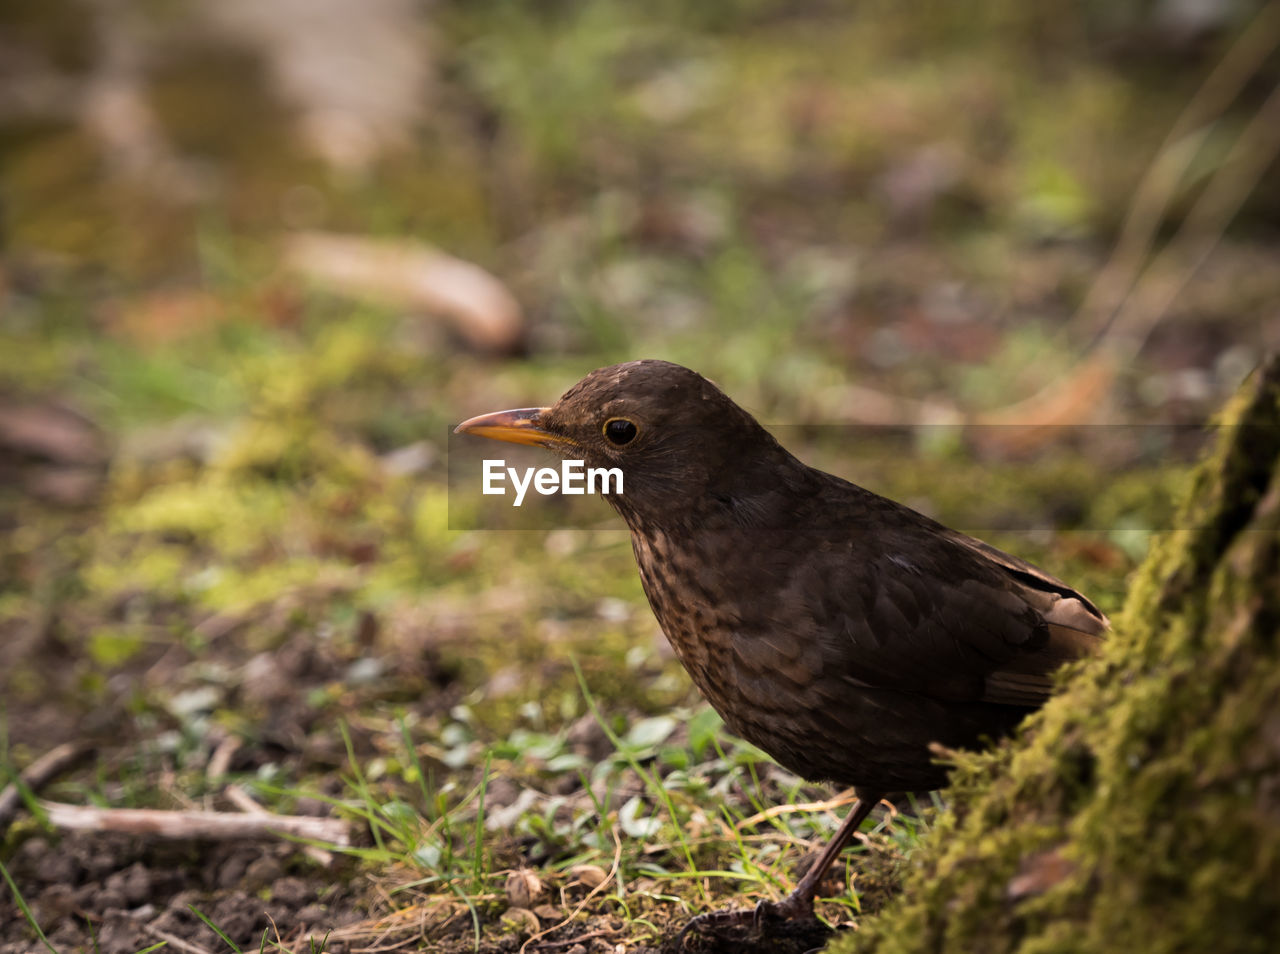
x: 771, y: 672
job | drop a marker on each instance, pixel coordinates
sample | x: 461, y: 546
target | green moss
x: 112, y: 646
x: 1139, y: 809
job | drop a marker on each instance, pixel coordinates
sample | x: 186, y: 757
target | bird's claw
x: 714, y: 922
x: 793, y: 907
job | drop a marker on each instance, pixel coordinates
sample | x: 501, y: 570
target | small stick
x: 801, y: 807
x: 37, y: 775
x: 210, y: 826
x: 242, y: 800
x: 220, y: 761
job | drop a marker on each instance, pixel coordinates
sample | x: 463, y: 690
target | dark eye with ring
x: 620, y: 431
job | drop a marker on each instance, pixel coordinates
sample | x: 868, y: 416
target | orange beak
x: 519, y: 426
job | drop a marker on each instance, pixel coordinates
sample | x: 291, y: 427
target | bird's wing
x: 1075, y: 627
x: 934, y: 611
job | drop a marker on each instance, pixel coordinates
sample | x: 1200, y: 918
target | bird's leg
x: 799, y: 903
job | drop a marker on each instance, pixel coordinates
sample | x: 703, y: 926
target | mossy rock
x: 1140, y: 810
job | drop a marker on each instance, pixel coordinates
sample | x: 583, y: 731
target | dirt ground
x: 119, y: 893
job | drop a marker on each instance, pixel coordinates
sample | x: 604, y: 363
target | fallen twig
x: 208, y: 826
x: 840, y: 801
x: 242, y: 800
x: 220, y: 761
x: 37, y: 775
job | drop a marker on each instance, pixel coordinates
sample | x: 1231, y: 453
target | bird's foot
x: 794, y: 906
x: 759, y: 919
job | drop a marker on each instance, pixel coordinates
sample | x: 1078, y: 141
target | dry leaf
x: 523, y: 888
x: 590, y: 875
x: 415, y: 276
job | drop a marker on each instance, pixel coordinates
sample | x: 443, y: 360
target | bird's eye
x: 620, y: 431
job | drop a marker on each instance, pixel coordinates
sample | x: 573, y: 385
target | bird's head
x: 676, y: 437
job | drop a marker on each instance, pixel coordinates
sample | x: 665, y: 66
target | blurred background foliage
x: 258, y: 258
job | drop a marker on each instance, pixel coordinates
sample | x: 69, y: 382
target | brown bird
x: 839, y: 631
